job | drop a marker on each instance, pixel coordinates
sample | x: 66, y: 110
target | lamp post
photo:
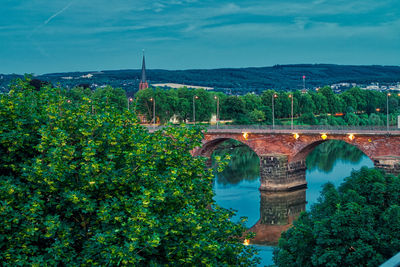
x: 194, y: 109
x: 387, y: 111
x: 291, y: 124
x: 217, y: 98
x: 398, y: 125
x: 154, y: 111
x: 130, y: 99
x: 273, y: 111
x: 90, y: 101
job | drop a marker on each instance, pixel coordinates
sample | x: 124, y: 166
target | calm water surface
x: 237, y: 187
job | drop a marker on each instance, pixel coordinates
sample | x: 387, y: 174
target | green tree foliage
x: 308, y: 118
x: 108, y: 96
x: 306, y: 103
x: 203, y: 105
x: 352, y: 119
x: 251, y: 102
x: 320, y: 102
x: 95, y: 188
x: 77, y: 94
x: 257, y: 116
x: 233, y: 107
x: 374, y: 119
x: 355, y: 225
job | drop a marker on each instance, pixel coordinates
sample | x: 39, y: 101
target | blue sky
x: 42, y: 36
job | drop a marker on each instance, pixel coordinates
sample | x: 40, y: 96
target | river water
x: 237, y: 187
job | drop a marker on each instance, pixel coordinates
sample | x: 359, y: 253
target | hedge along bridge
x: 283, y: 151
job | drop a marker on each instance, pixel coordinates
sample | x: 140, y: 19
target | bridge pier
x: 277, y: 174
x: 389, y: 164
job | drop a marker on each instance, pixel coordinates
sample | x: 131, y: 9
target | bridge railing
x: 321, y: 128
x: 303, y: 127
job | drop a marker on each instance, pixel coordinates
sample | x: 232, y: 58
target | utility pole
x: 129, y: 100
x: 291, y: 97
x: 387, y: 111
x: 217, y: 98
x: 154, y: 111
x: 194, y: 109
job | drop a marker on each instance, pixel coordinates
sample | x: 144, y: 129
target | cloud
x: 229, y: 8
x: 301, y: 28
x: 156, y: 39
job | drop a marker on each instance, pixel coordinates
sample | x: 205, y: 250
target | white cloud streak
x: 51, y: 18
x: 58, y: 13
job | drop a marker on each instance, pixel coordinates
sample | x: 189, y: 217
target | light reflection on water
x: 237, y: 187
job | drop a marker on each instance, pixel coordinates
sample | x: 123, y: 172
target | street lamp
x: 90, y: 101
x: 194, y: 108
x: 154, y: 111
x: 387, y: 111
x: 291, y: 124
x: 217, y: 98
x: 130, y: 99
x: 273, y: 111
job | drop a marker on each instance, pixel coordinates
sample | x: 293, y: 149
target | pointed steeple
x: 143, y: 83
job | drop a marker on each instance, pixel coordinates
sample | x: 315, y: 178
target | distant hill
x: 235, y: 80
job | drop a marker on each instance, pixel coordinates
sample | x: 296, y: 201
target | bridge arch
x: 282, y: 153
x: 308, y: 147
x: 210, y: 144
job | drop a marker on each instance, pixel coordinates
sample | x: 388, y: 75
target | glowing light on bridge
x: 296, y: 136
x: 351, y: 137
x: 245, y: 135
x: 324, y: 136
x: 246, y: 242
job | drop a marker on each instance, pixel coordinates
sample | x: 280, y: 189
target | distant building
x: 143, y: 83
x: 178, y: 85
x: 372, y: 87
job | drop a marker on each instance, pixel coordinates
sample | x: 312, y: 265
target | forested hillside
x: 233, y: 80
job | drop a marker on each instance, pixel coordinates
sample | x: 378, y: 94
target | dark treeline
x: 234, y: 80
x: 355, y: 106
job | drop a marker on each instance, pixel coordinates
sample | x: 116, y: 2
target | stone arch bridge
x: 283, y: 152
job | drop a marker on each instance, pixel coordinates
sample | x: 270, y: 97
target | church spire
x: 143, y: 83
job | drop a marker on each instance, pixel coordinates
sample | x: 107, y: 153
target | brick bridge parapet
x: 283, y: 153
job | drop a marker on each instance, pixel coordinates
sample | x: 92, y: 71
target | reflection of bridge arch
x: 282, y: 155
